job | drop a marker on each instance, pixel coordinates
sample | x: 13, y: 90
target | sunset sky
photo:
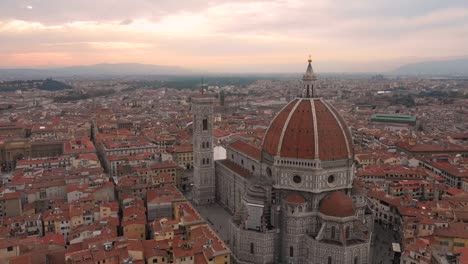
x: 241, y: 36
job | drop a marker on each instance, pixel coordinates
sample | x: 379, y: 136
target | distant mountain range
x: 123, y: 69
x: 440, y: 67
x: 457, y: 66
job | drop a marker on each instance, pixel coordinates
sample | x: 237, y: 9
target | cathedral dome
x: 337, y: 204
x: 308, y: 128
x: 295, y: 198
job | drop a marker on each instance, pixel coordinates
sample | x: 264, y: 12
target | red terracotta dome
x: 308, y: 128
x: 295, y: 198
x: 337, y: 204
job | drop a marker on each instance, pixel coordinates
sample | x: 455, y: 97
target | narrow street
x: 381, y: 246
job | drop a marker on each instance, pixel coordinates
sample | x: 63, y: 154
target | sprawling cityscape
x: 202, y: 132
x: 319, y: 170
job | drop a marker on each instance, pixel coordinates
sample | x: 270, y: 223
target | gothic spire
x: 309, y: 81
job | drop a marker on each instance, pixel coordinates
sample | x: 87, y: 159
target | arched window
x: 291, y: 252
x: 333, y: 232
x: 329, y: 260
x: 252, y: 248
x: 356, y: 260
x: 347, y: 232
x: 205, y: 124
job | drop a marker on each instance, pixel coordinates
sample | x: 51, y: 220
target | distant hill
x: 123, y: 69
x: 53, y: 85
x: 441, y: 67
x: 47, y: 85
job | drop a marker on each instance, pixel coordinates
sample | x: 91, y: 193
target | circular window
x: 297, y: 179
x: 268, y: 171
x: 331, y: 179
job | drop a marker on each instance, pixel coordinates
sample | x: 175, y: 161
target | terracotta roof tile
x: 295, y: 198
x: 248, y: 149
x: 293, y: 134
x: 236, y: 168
x: 273, y: 134
x: 298, y: 139
x: 337, y: 204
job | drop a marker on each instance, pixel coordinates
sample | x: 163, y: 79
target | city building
x: 10, y: 204
x: 182, y: 155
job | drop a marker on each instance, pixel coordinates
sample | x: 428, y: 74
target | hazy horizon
x: 289, y: 69
x: 233, y: 36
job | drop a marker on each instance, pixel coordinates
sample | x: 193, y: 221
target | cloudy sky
x: 232, y: 35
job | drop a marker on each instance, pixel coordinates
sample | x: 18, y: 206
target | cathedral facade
x: 293, y: 200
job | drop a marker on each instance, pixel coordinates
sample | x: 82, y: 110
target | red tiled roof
x: 463, y: 258
x: 431, y: 148
x: 133, y: 221
x: 7, y: 242
x: 236, y: 168
x: 154, y: 248
x: 135, y: 245
x: 220, y: 133
x: 454, y: 191
x: 295, y: 198
x: 457, y: 230
x: 455, y: 170
x: 83, y: 145
x: 248, y: 149
x: 10, y: 195
x: 164, y: 194
x: 273, y: 134
x: 337, y: 204
x: 382, y: 196
x: 164, y: 165
x: 29, y: 258
x: 182, y: 148
x: 200, y: 259
x: 188, y: 213
x: 53, y: 238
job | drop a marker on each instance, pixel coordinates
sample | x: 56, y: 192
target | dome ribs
x: 297, y: 142
x: 332, y: 144
x: 308, y: 128
x: 347, y: 133
x: 273, y: 135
